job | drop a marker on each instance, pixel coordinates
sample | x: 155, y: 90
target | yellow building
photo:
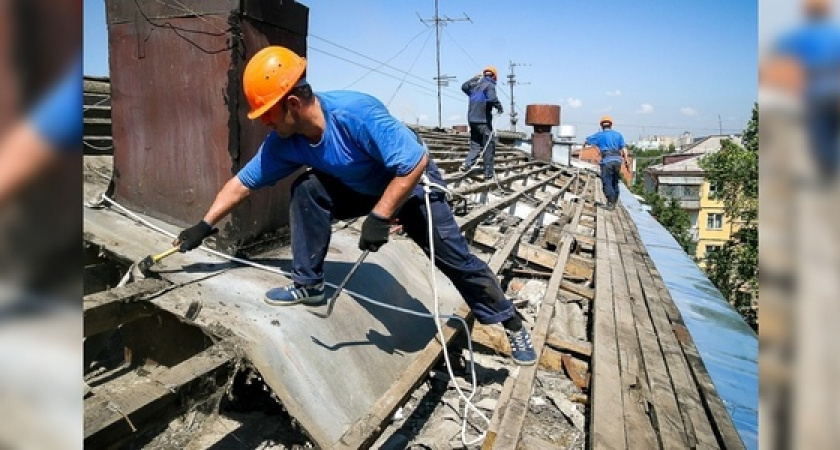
x: 681, y: 177
x: 713, y: 227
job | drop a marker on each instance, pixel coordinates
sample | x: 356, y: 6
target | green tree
x: 667, y: 211
x: 644, y: 159
x: 734, y: 172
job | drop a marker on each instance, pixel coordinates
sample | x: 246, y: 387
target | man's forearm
x: 398, y: 191
x: 231, y: 195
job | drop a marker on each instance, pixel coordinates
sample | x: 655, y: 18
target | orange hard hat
x: 606, y: 119
x: 492, y: 70
x: 269, y: 75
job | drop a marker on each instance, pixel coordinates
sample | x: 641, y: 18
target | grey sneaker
x: 294, y: 294
x: 521, y: 349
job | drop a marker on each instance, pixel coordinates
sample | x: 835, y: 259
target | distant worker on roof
x: 481, y: 90
x: 361, y: 161
x: 613, y: 151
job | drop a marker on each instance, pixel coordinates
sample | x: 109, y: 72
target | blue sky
x: 656, y: 66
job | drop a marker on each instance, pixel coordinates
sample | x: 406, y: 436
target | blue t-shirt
x: 817, y: 47
x: 609, y: 143
x: 363, y: 146
x: 58, y: 115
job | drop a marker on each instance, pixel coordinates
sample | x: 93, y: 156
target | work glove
x: 193, y: 236
x: 500, y: 110
x: 375, y: 231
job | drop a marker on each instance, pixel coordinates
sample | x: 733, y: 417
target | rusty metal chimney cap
x: 545, y: 115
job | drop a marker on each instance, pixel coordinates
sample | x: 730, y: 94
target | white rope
x: 427, y: 190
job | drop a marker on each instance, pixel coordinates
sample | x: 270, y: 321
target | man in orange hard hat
x: 363, y: 162
x: 481, y: 90
x: 613, y: 151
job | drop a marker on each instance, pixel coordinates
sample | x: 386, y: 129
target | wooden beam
x: 672, y: 430
x: 514, y: 414
x: 578, y: 289
x: 531, y: 253
x: 502, y: 254
x: 718, y: 416
x: 106, y: 310
x: 366, y: 430
x: 696, y: 422
x: 576, y: 370
x: 478, y: 214
x: 119, y: 411
x: 568, y: 344
x: 606, y: 398
x: 635, y: 389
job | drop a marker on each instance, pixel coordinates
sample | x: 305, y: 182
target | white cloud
x: 454, y: 117
x: 605, y: 110
x: 574, y: 102
x: 646, y: 108
x: 687, y: 111
x: 614, y: 93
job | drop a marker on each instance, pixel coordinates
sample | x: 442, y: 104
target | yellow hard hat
x: 492, y: 70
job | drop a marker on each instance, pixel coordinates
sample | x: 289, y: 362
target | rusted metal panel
x: 126, y: 10
x: 541, y: 143
x: 265, y: 210
x: 170, y: 118
x: 290, y: 16
x: 542, y: 115
x: 179, y: 113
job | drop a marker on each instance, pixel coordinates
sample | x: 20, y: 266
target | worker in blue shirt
x: 52, y: 131
x: 362, y: 161
x: 482, y: 93
x: 815, y: 47
x: 613, y: 151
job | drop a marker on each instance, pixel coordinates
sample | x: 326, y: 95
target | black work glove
x: 374, y: 232
x: 500, y: 110
x: 193, y: 236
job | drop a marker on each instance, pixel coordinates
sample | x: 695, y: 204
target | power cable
x: 373, y: 69
x: 390, y: 59
x: 381, y: 64
x: 412, y: 66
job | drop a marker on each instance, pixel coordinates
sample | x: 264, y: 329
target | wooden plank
x: 576, y: 369
x: 698, y: 427
x: 501, y: 255
x: 634, y: 384
x: 606, y: 399
x: 514, y: 415
x: 501, y: 406
x: 567, y: 344
x: 721, y: 420
x: 719, y: 417
x: 107, y: 310
x: 134, y: 406
x: 575, y: 266
x: 668, y: 421
x: 478, y: 214
x: 484, y: 185
x: 579, y: 289
x: 367, y: 429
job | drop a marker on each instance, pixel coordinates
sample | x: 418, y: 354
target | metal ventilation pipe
x: 542, y: 118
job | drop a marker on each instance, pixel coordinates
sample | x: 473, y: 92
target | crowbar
x: 331, y: 301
